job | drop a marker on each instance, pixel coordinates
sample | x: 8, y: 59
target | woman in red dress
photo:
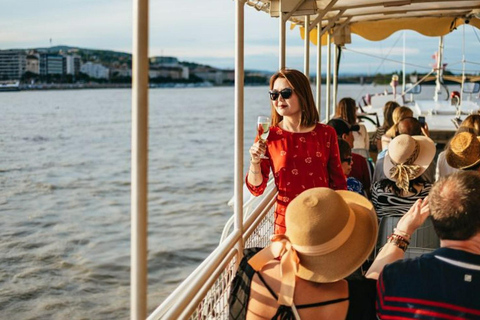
x: 302, y: 153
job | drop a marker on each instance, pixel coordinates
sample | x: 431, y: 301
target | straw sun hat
x: 463, y: 151
x: 329, y: 235
x: 407, y: 158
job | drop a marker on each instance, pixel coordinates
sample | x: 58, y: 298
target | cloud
x: 197, y: 31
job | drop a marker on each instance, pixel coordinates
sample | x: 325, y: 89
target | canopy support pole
x: 319, y: 70
x: 329, y: 76
x: 239, y: 120
x: 404, y: 75
x: 335, y: 77
x: 463, y: 68
x: 281, y: 38
x: 139, y: 154
x: 307, y: 47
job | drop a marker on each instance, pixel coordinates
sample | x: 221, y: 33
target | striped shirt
x: 387, y: 203
x: 444, y: 284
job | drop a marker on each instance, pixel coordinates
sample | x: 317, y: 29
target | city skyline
x: 205, y: 34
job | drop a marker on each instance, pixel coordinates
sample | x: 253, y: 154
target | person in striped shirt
x: 445, y: 283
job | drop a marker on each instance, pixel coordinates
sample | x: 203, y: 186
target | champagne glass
x: 263, y: 129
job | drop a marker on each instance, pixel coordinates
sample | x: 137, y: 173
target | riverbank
x: 74, y: 86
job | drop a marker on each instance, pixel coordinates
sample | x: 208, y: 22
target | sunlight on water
x: 65, y: 193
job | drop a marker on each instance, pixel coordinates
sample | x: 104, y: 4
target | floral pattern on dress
x: 300, y: 161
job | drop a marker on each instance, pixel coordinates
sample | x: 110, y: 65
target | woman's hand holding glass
x: 263, y: 129
x: 257, y: 151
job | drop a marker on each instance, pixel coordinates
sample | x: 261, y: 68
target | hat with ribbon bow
x: 407, y: 158
x: 329, y: 235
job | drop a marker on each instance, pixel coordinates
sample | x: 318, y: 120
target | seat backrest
x: 423, y: 240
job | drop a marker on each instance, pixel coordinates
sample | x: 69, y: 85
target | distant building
x: 73, y: 63
x: 52, y: 64
x: 95, y: 70
x: 168, y: 67
x: 12, y: 64
x: 164, y: 61
x: 33, y: 64
x: 168, y: 72
x: 214, y: 75
x: 120, y: 72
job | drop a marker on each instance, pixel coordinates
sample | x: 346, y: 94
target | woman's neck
x: 293, y: 125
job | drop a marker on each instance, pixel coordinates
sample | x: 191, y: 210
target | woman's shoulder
x: 362, y: 127
x: 321, y: 127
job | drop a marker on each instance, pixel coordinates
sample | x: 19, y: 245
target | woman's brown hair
x: 397, y: 115
x: 388, y: 109
x: 347, y: 110
x: 301, y: 87
x: 473, y: 122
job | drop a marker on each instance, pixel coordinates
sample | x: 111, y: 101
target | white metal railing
x: 250, y: 203
x: 204, y: 294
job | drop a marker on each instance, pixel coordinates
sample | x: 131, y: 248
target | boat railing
x: 204, y: 294
x: 248, y: 205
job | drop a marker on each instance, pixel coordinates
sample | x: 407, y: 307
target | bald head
x: 410, y: 126
x: 455, y: 205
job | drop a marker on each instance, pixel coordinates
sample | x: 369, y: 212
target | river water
x: 65, y: 193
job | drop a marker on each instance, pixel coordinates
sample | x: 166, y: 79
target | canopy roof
x: 373, y: 19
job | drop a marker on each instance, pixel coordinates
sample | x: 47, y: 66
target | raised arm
x: 392, y: 250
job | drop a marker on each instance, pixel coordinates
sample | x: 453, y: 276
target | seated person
x: 360, y: 167
x: 397, y: 115
x: 463, y: 152
x: 388, y: 108
x: 300, y: 275
x: 470, y: 124
x: 443, y: 284
x: 347, y: 162
x: 407, y: 158
x: 347, y: 110
x: 410, y: 126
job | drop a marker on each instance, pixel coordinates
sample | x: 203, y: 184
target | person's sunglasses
x: 347, y: 160
x: 285, y: 93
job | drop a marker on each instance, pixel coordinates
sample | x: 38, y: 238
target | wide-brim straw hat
x: 339, y: 227
x: 463, y: 151
x: 406, y: 150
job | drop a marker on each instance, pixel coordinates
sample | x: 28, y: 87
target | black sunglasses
x: 347, y: 160
x: 285, y: 93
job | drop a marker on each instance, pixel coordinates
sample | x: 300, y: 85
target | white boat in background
x: 9, y: 85
x: 204, y: 294
x: 443, y: 112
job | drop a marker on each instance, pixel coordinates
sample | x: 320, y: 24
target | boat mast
x: 438, y: 85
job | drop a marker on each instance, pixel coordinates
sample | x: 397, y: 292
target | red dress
x: 300, y: 161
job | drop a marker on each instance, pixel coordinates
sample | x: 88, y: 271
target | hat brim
x: 424, y: 159
x: 455, y: 161
x: 352, y: 254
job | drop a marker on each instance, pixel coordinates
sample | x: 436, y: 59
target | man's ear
x: 345, y: 136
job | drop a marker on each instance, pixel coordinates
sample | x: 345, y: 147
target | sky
x: 203, y: 31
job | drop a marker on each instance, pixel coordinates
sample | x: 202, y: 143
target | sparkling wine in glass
x: 263, y: 129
